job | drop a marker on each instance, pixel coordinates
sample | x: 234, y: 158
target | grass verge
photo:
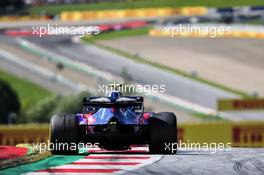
x: 132, y: 4
x: 28, y: 93
x: 208, y: 118
x: 118, y: 34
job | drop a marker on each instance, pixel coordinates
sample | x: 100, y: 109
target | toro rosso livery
x: 115, y: 122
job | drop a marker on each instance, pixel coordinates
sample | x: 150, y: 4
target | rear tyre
x: 162, y: 132
x: 64, y: 134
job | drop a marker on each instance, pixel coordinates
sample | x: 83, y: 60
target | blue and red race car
x: 115, y: 122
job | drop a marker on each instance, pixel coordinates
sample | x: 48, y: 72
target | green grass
x: 208, y: 118
x: 118, y: 34
x: 142, y: 31
x: 28, y: 92
x: 131, y: 4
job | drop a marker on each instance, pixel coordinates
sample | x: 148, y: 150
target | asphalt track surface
x: 27, y: 74
x: 30, y: 75
x: 243, y: 161
x: 231, y: 62
x: 178, y: 86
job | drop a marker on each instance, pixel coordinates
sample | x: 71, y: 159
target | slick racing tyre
x: 163, y: 133
x: 64, y: 134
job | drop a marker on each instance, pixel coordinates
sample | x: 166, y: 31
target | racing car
x: 114, y: 122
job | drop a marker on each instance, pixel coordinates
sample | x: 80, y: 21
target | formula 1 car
x: 114, y: 122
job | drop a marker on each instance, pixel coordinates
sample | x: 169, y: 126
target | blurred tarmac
x: 177, y: 86
x: 235, y: 63
x: 74, y: 76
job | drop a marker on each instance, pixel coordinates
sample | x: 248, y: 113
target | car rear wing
x: 120, y: 103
